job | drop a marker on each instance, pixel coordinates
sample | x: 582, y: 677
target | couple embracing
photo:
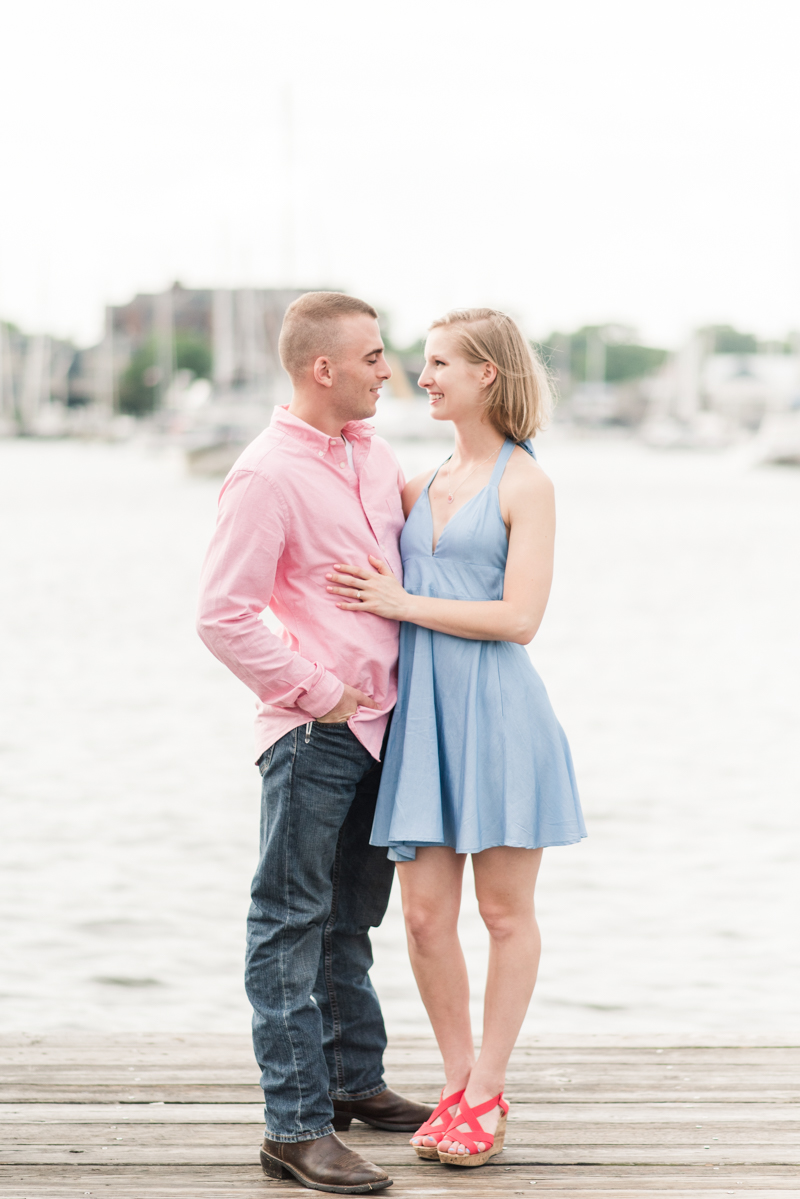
x: 400, y: 725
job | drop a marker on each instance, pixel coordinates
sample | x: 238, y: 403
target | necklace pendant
x: 449, y: 499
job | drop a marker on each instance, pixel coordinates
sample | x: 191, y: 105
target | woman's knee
x: 504, y: 920
x: 427, y: 924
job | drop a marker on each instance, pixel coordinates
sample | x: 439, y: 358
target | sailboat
x: 778, y: 440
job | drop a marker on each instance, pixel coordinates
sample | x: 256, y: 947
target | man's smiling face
x: 358, y: 367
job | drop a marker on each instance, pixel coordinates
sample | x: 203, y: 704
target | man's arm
x: 236, y: 586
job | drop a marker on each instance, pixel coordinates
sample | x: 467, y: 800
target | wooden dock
x: 171, y: 1117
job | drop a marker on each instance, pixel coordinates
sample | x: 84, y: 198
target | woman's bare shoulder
x: 413, y: 490
x: 526, y: 493
x: 525, y: 476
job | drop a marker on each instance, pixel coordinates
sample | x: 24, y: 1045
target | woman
x: 476, y: 761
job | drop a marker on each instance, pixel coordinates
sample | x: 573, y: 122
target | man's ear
x: 321, y: 370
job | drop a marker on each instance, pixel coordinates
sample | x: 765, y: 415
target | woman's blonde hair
x: 519, y: 400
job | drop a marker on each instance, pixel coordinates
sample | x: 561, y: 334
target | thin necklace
x: 452, y: 491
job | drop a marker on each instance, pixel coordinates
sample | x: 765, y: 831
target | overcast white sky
x: 570, y: 161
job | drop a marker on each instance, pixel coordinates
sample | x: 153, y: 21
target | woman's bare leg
x: 505, y: 880
x: 431, y: 890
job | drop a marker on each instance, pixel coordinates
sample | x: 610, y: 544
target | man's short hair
x: 311, y: 328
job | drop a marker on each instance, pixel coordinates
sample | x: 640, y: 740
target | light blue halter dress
x: 475, y: 757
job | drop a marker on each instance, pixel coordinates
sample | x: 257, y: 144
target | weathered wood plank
x: 233, y: 1183
x: 236, y: 1048
x: 187, y: 1144
x: 391, y: 1158
x: 709, y: 1082
x: 565, y: 1040
x: 159, y: 1113
x: 236, y: 1096
x: 538, y: 1113
x: 243, y: 1072
x: 117, y: 1094
x: 703, y: 1071
x: 570, y: 1133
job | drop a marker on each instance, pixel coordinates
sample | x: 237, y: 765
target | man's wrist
x: 323, y: 697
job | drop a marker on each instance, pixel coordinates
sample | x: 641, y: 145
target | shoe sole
x: 428, y: 1153
x: 273, y: 1167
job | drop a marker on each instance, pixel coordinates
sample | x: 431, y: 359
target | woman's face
x: 456, y: 388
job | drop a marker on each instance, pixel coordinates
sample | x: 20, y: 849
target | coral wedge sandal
x: 469, y: 1115
x: 441, y: 1113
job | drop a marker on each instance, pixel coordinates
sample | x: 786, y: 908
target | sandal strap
x: 469, y: 1115
x: 441, y: 1112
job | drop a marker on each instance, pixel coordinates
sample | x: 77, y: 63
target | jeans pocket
x: 265, y: 759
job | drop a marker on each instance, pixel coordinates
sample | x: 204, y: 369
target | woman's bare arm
x: 528, y: 506
x: 413, y: 490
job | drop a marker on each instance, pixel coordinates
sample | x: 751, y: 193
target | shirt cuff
x: 323, y: 696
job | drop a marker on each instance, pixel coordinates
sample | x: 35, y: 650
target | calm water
x: 130, y: 802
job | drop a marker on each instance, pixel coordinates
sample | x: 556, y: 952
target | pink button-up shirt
x: 289, y: 509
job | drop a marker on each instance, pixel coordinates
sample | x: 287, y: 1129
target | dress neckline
x: 494, y: 481
x: 447, y: 523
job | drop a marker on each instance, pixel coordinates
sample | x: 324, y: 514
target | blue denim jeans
x: 318, y: 1031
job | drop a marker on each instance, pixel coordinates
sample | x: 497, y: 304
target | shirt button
x: 322, y: 453
x: 343, y: 466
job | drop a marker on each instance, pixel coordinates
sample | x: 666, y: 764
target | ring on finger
x: 358, y: 595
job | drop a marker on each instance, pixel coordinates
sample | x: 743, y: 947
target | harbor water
x: 671, y: 652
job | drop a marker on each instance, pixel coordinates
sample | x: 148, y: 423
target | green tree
x: 193, y: 354
x: 139, y: 386
x: 631, y: 361
x: 724, y: 339
x: 624, y: 357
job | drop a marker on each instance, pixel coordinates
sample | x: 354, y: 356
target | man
x: 313, y: 489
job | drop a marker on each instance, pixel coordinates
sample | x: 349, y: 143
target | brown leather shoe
x: 325, y: 1164
x: 388, y: 1110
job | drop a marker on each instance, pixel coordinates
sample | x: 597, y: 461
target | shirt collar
x: 282, y: 418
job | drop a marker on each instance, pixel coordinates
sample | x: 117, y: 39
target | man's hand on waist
x: 347, y: 706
